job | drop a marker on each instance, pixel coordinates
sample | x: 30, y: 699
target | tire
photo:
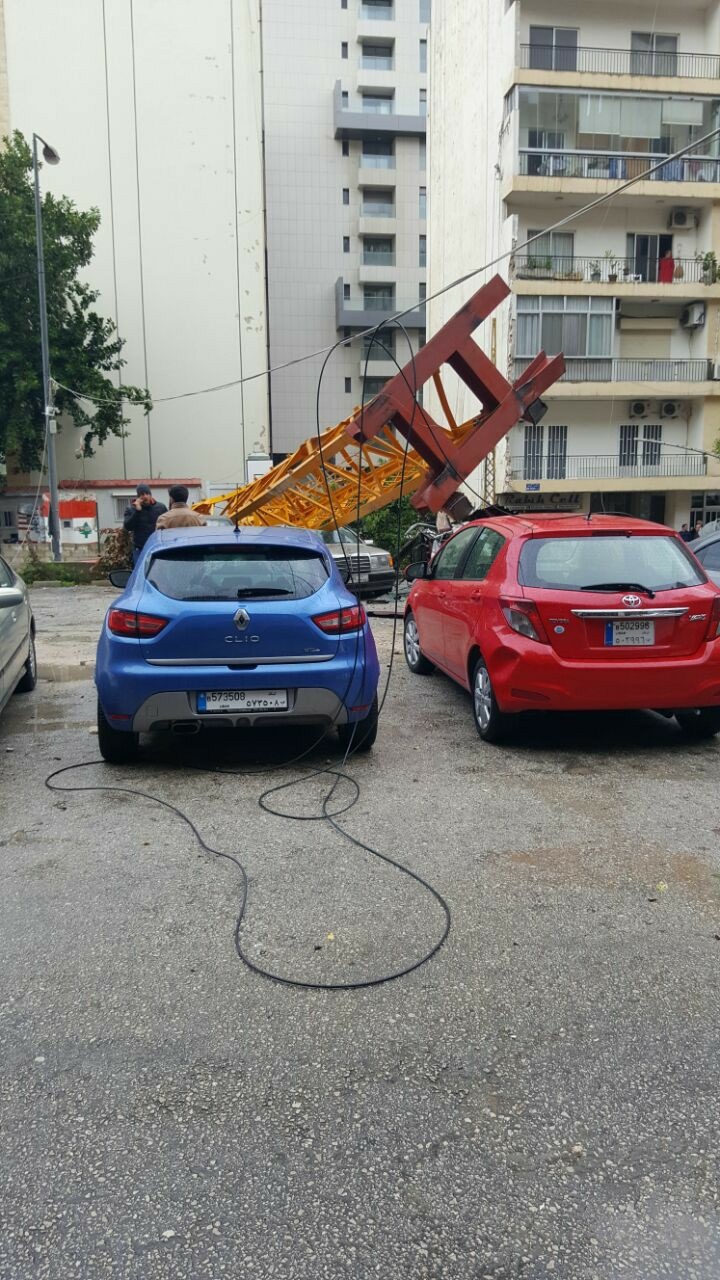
x: 490, y: 722
x: 703, y: 723
x: 361, y: 735
x: 117, y: 746
x: 29, y: 680
x: 414, y: 657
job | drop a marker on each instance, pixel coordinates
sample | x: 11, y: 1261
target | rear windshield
x: 237, y: 573
x: 607, y: 562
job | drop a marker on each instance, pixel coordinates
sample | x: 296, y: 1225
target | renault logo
x: 632, y: 601
x: 242, y: 619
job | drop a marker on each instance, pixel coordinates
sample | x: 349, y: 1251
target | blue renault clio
x: 234, y: 629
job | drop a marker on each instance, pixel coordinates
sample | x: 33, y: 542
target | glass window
x: 346, y: 244
x: 449, y: 559
x: 232, y: 573
x: 576, y: 326
x: 629, y: 445
x: 423, y: 102
x: 483, y: 554
x: 534, y: 433
x: 344, y: 49
x: 424, y: 13
x: 577, y: 564
x: 423, y: 55
x: 379, y: 104
x: 422, y: 251
x: 378, y: 251
x: 378, y: 297
x: 377, y: 57
x: 346, y: 195
x: 422, y: 153
x: 653, y: 54
x: 379, y: 346
x: 348, y: 385
x: 377, y: 203
x: 557, y: 452
x: 378, y: 153
x: 6, y: 575
x: 553, y: 48
x: 422, y: 202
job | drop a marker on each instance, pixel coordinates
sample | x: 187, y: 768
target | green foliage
x: 68, y: 574
x: 84, y: 347
x: 382, y: 526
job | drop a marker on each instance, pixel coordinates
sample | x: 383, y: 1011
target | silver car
x: 707, y: 550
x: 18, y: 665
x: 368, y: 570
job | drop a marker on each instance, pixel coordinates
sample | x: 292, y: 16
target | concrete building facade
x: 536, y: 109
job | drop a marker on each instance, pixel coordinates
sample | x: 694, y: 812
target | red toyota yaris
x: 569, y: 613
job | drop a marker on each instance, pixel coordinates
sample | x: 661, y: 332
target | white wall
x: 609, y: 26
x: 156, y: 114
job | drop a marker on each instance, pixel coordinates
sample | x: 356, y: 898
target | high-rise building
x: 538, y: 108
x: 345, y: 102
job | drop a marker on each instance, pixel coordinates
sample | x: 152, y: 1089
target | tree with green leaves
x: 84, y: 346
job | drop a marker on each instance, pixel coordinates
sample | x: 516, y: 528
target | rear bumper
x: 306, y: 706
x: 534, y: 678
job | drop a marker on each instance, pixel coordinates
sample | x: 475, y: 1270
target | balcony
x: 376, y: 162
x: 620, y: 62
x: 610, y: 270
x: 376, y: 62
x: 377, y: 13
x: 386, y: 258
x: 628, y: 369
x: 366, y: 314
x: 608, y: 466
x: 540, y: 163
x: 373, y: 124
x: 376, y: 209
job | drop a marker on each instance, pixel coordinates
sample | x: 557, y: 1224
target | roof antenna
x: 237, y: 515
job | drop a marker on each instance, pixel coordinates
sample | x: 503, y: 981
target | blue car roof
x: 277, y: 536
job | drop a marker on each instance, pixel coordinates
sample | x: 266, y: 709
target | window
x: 377, y: 203
x: 343, y: 4
x: 579, y: 327
x: 452, y: 554
x: 557, y: 453
x: 344, y: 49
x: 346, y: 244
x: 6, y: 575
x: 482, y: 555
x: 422, y: 202
x: 651, y: 444
x: 239, y: 572
x: 377, y: 104
x: 347, y: 335
x: 345, y: 147
x: 629, y: 445
x: 121, y: 502
x: 345, y: 96
x: 379, y: 346
x: 378, y: 251
x: 553, y: 251
x: 372, y: 387
x: 422, y: 105
x: 348, y: 385
x: 422, y: 251
x: 7, y: 517
x: 553, y: 48
x: 378, y: 297
x: 644, y: 253
x: 378, y: 153
x: 653, y: 54
x: 377, y: 57
x: 423, y: 55
x: 534, y: 434
x: 422, y: 291
x: 346, y: 292
x: 381, y: 9
x: 424, y: 14
x: 346, y: 195
x: 422, y: 153
x: 577, y: 564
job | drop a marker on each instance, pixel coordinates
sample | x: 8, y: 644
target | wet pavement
x: 540, y: 1100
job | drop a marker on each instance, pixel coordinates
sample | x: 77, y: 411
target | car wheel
x: 490, y: 722
x: 704, y: 723
x: 361, y: 735
x: 414, y: 656
x: 117, y: 746
x: 29, y: 680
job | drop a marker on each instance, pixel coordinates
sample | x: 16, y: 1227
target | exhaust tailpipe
x: 184, y: 728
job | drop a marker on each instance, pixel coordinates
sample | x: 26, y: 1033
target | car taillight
x: 126, y: 622
x: 713, y: 631
x: 341, y: 621
x: 523, y: 617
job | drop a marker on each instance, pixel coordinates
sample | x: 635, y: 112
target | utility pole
x: 50, y: 156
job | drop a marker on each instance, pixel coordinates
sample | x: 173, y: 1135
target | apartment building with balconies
x: 345, y: 106
x: 538, y: 109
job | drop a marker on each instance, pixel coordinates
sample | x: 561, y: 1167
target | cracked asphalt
x: 541, y: 1099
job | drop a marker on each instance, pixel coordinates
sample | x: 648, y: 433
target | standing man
x: 685, y: 533
x: 180, y: 516
x: 141, y: 517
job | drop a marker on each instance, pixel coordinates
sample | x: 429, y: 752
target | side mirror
x: 368, y: 542
x: 11, y: 597
x: 120, y: 577
x: 417, y: 570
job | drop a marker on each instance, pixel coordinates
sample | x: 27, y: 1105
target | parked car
x: 569, y: 613
x: 217, y: 628
x: 366, y: 568
x: 18, y: 664
x: 707, y: 550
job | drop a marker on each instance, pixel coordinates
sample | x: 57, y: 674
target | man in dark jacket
x: 141, y: 517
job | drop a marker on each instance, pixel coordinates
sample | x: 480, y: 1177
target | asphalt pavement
x: 540, y: 1099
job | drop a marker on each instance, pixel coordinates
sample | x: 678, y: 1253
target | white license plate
x: 243, y: 700
x: 630, y: 634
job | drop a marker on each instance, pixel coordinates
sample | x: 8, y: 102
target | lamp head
x: 50, y: 155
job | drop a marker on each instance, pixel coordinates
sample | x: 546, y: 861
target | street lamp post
x: 50, y: 156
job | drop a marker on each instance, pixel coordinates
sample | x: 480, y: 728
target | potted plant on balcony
x: 612, y: 266
x: 709, y: 268
x: 595, y: 272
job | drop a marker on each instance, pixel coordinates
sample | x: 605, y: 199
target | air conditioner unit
x: 639, y: 408
x: 681, y: 219
x: 670, y: 408
x: 693, y: 317
x: 715, y: 372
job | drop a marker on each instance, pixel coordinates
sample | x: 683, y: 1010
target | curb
x: 63, y: 672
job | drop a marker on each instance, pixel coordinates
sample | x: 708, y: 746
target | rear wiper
x: 619, y: 586
x: 253, y: 593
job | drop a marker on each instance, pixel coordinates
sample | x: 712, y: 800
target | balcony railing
x: 608, y: 466
x: 628, y: 369
x: 608, y: 270
x: 377, y: 162
x: 376, y: 209
x: 542, y: 163
x: 620, y: 62
x: 381, y: 12
x: 374, y: 62
x: 386, y: 258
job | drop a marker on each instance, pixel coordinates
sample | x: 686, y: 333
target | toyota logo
x: 242, y: 619
x: 632, y: 601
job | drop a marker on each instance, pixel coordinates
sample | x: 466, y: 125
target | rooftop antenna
x: 237, y: 515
